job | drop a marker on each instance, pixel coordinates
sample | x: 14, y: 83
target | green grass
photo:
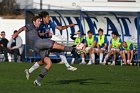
x: 87, y: 79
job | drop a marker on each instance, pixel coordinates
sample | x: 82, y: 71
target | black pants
x: 4, y: 50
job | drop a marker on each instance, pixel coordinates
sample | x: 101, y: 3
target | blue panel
x: 138, y: 28
x: 70, y: 22
x: 79, y: 24
x: 57, y: 22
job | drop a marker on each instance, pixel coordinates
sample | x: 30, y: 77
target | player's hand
x: 71, y: 25
x: 9, y: 48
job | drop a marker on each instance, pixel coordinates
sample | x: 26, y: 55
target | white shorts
x: 101, y: 49
x: 125, y: 51
x: 115, y: 49
x: 87, y: 48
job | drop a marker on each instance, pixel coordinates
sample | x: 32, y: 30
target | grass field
x: 87, y: 79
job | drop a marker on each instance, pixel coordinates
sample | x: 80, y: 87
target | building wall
x: 9, y: 25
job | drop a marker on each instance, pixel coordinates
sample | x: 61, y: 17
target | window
x: 122, y: 0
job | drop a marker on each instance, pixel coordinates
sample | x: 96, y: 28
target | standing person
x: 3, y: 45
x: 77, y: 40
x: 15, y: 46
x: 127, y: 49
x: 101, y: 45
x: 114, y: 47
x: 42, y: 46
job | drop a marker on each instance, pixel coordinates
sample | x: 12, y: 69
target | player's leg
x: 132, y: 53
x: 50, y: 44
x: 92, y: 56
x: 122, y: 54
x: 114, y: 57
x: 44, y: 71
x: 69, y: 67
x: 31, y: 69
x: 42, y: 53
x: 101, y: 51
x: 83, y: 58
x: 128, y: 56
x: 107, y: 56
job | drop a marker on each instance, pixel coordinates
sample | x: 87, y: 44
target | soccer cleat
x: 113, y: 64
x: 83, y: 63
x: 71, y: 68
x: 27, y: 74
x: 89, y: 63
x: 37, y: 83
x: 61, y: 62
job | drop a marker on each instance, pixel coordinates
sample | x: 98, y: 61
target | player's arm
x: 95, y: 42
x: 19, y: 31
x: 119, y: 43
x: 64, y: 27
x: 105, y: 45
x: 132, y: 52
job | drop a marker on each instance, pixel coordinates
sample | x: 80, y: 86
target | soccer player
x: 128, y: 49
x: 101, y: 45
x: 45, y: 33
x: 114, y: 47
x: 90, y: 42
x: 77, y: 40
x: 42, y: 46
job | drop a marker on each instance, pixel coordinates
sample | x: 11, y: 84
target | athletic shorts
x: 117, y: 49
x: 88, y: 48
x: 44, y: 53
x: 101, y: 49
x: 42, y: 44
x: 43, y: 47
x: 125, y: 51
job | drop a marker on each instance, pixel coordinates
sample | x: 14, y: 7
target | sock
x: 73, y: 59
x: 93, y: 57
x: 113, y: 62
x: 34, y: 67
x: 106, y: 57
x: 128, y: 61
x: 42, y: 74
x: 83, y: 59
x: 101, y: 57
x: 63, y: 58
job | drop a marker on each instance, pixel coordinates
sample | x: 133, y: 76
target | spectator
x: 3, y: 46
x: 15, y: 46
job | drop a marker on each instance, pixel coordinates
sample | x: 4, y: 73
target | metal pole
x: 40, y: 4
x: 138, y: 37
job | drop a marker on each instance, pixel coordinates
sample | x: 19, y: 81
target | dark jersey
x: 31, y: 35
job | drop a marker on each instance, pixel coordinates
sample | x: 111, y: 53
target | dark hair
x: 100, y: 30
x: 89, y: 32
x: 15, y: 31
x: 2, y: 31
x: 43, y: 14
x: 35, y: 18
x: 115, y: 33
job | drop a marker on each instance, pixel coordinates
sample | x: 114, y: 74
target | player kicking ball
x: 42, y: 46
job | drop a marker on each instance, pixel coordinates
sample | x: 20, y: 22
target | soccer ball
x: 80, y: 46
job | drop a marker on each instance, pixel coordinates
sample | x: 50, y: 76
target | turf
x: 87, y: 79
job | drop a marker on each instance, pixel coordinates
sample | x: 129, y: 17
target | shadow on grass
x: 88, y: 81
